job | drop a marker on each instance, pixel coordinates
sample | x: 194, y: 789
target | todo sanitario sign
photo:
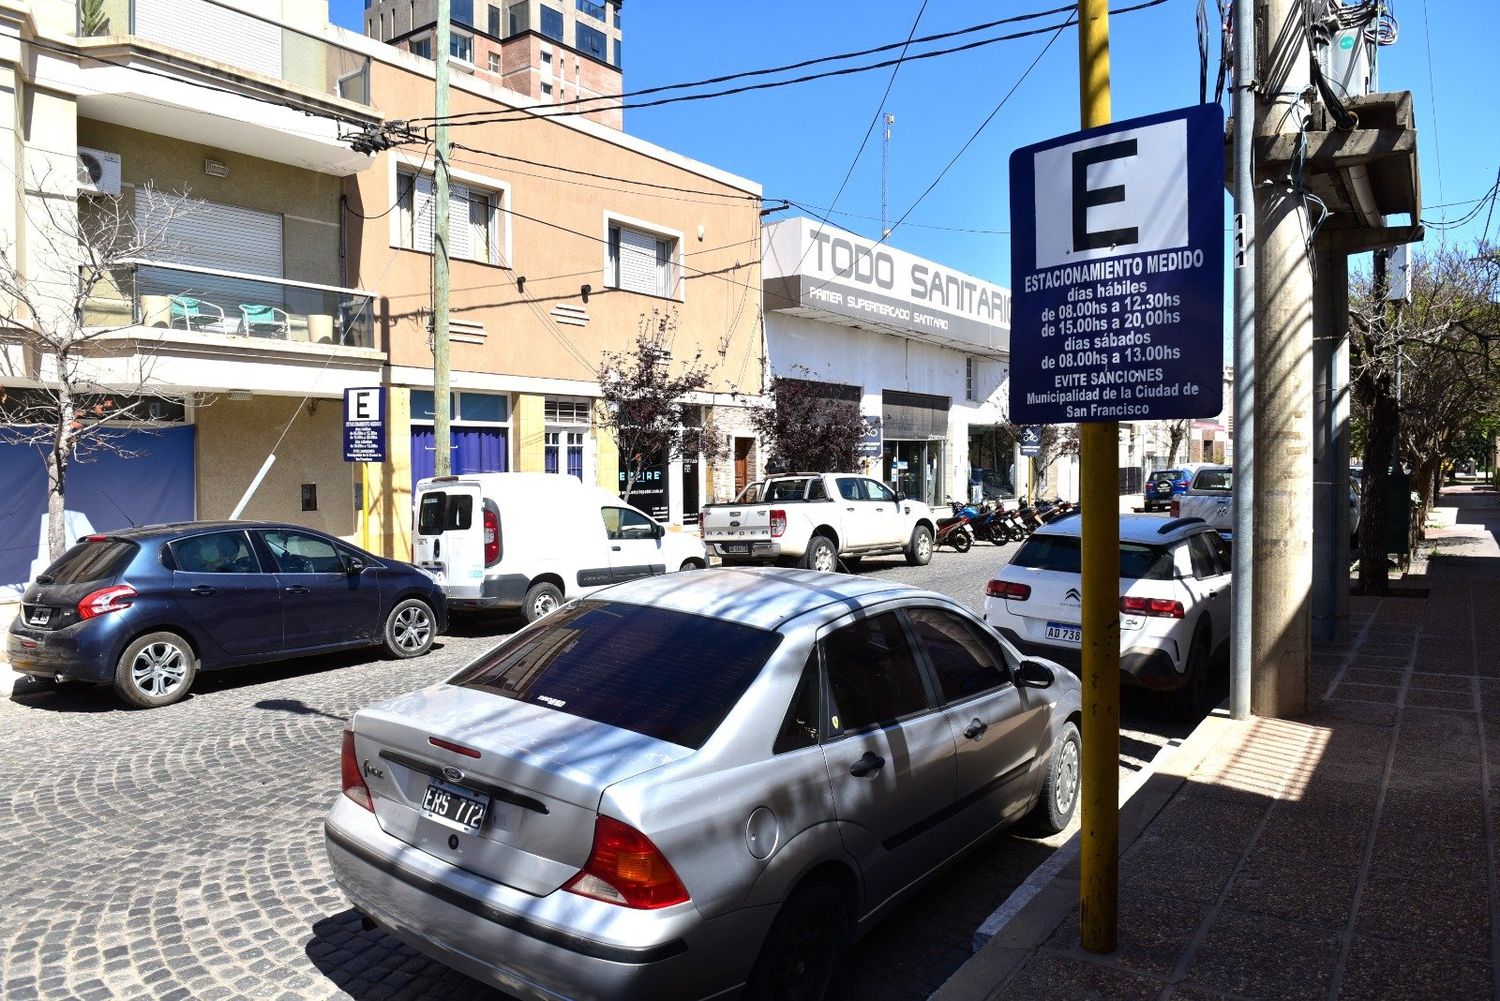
x: 1117, y: 266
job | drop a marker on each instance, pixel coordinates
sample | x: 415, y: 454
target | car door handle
x: 615, y: 548
x: 203, y: 589
x: 871, y: 762
x: 296, y: 589
x: 848, y: 509
x: 976, y: 729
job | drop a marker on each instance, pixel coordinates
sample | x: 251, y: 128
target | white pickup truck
x: 816, y: 519
x: 1210, y: 496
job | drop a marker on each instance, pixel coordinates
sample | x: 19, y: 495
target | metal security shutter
x: 639, y: 270
x: 914, y: 416
x: 209, y: 235
x: 217, y: 33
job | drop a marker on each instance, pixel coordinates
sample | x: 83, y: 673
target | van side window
x: 440, y: 512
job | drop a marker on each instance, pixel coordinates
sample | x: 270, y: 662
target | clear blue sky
x: 798, y: 141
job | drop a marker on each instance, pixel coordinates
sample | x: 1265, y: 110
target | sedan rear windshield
x: 666, y: 674
x: 91, y: 560
x: 1061, y: 553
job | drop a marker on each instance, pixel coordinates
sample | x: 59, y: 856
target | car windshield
x: 1060, y: 553
x: 666, y: 674
x: 90, y: 560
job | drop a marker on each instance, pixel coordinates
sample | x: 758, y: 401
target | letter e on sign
x: 1121, y: 193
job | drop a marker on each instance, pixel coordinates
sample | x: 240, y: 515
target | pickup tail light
x: 1176, y: 509
x: 353, y: 781
x: 491, y: 538
x: 778, y: 523
x: 625, y: 868
x: 104, y: 600
x: 1008, y: 590
x: 1158, y: 608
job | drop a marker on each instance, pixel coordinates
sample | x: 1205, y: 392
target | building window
x: 593, y: 10
x: 467, y: 408
x: 641, y: 262
x: 461, y: 46
x: 421, y: 46
x: 473, y: 218
x: 566, y: 411
x: 970, y: 380
x: 563, y: 452
x: 494, y: 62
x: 618, y: 60
x: 547, y: 90
x: 493, y: 22
x: 617, y: 14
x: 547, y: 62
x: 552, y: 23
x: 520, y: 19
x: 462, y: 11
x: 592, y: 42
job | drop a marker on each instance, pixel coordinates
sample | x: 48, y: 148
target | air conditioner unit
x: 98, y: 172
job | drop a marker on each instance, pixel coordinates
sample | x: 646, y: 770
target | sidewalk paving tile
x: 1260, y: 957
x: 1052, y: 977
x: 1381, y: 970
x: 1444, y: 914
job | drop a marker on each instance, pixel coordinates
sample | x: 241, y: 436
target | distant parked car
x: 145, y: 609
x: 1164, y: 484
x: 686, y: 788
x: 1174, y: 603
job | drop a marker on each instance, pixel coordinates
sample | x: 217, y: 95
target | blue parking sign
x: 1117, y: 267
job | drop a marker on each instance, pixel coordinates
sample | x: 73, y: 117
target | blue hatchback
x: 147, y: 608
x: 1162, y: 485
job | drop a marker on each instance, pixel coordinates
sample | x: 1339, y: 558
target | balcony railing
x: 204, y: 300
x: 217, y: 31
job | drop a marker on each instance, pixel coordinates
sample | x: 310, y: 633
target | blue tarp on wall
x: 105, y: 493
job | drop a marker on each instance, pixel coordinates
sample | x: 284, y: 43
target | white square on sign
x: 1121, y: 193
x: 364, y: 405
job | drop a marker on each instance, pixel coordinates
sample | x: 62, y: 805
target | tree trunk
x: 57, y: 477
x: 1380, y: 442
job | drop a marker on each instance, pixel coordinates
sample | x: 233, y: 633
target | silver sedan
x: 696, y: 785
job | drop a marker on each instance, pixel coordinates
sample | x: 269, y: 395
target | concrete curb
x: 1036, y: 908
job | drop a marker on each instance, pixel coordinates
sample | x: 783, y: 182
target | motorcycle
x: 997, y: 526
x: 1027, y: 515
x: 958, y: 530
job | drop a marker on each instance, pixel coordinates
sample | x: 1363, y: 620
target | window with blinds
x: 208, y: 234
x: 473, y: 218
x: 566, y: 411
x: 641, y: 262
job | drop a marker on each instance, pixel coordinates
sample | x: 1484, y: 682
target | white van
x: 533, y: 540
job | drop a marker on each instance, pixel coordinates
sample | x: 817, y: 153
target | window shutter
x: 664, y: 267
x: 216, y: 32
x: 210, y: 235
x: 639, y: 262
x: 458, y: 222
x: 425, y: 206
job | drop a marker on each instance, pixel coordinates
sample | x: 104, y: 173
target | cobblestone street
x: 178, y: 852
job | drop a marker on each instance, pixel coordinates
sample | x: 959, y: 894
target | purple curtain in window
x: 475, y: 450
x: 575, y: 461
x: 549, y: 459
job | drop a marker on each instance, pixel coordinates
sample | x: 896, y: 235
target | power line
x: 789, y: 67
x: 1432, y: 98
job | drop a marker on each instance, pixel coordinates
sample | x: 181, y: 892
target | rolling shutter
x: 214, y: 32
x: 639, y: 270
x: 210, y: 235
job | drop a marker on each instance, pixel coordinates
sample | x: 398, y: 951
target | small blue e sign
x: 1117, y: 263
x: 364, y: 424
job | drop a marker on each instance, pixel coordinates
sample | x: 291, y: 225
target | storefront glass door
x: 915, y: 468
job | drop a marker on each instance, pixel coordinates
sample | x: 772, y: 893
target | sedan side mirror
x: 353, y: 565
x: 658, y: 530
x: 1033, y: 674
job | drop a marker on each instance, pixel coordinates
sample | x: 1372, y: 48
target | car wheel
x: 689, y: 565
x: 541, y: 601
x: 805, y: 949
x: 155, y: 670
x: 1191, y: 701
x: 1059, y: 799
x: 409, y: 629
x: 821, y: 555
x: 919, y: 550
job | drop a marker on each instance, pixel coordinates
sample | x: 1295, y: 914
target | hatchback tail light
x: 491, y: 538
x: 1176, y: 509
x: 625, y: 868
x: 106, y: 599
x: 1160, y: 608
x: 353, y: 781
x: 1008, y: 589
x: 778, y: 523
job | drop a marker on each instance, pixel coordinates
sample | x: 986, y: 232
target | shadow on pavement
x: 373, y: 964
x: 297, y: 708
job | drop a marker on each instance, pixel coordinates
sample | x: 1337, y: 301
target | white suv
x: 1174, y: 603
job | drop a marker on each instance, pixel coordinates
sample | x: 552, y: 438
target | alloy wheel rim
x: 924, y: 546
x: 412, y: 629
x: 823, y: 561
x: 544, y: 604
x: 159, y: 669
x: 1067, y: 776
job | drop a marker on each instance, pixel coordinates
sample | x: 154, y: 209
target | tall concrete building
x: 554, y: 51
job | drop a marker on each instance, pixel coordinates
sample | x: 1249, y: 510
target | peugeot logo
x: 453, y: 774
x: 1072, y: 595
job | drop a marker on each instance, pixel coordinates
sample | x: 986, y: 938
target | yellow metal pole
x: 1099, y: 451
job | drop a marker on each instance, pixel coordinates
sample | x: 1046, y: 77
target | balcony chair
x: 265, y: 321
x: 196, y: 314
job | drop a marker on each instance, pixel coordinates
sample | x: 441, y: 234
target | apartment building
x: 217, y: 127
x: 553, y: 51
x: 563, y: 246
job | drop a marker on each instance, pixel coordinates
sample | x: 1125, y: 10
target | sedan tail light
x: 106, y: 599
x: 353, y: 781
x: 778, y: 523
x: 491, y: 538
x: 1160, y: 608
x: 625, y: 868
x: 1008, y: 589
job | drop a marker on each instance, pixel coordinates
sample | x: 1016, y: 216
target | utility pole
x: 1099, y: 452
x: 1281, y: 631
x: 1243, y: 612
x: 441, y: 389
x: 885, y: 179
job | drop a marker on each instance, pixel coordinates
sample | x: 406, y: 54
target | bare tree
x: 807, y: 429
x: 1421, y: 374
x: 643, y: 405
x: 1174, y: 433
x: 54, y: 318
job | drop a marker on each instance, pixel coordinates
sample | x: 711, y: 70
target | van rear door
x: 449, y: 540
